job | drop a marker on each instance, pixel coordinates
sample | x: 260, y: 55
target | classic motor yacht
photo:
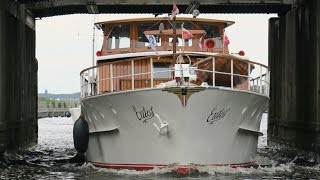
x: 168, y: 93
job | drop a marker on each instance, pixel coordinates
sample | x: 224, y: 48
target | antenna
x: 174, y: 40
x: 93, y: 57
x: 93, y: 39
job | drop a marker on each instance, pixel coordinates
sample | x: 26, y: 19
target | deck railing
x: 107, y: 79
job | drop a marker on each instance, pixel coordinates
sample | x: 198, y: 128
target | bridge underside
x: 161, y: 9
x: 44, y: 8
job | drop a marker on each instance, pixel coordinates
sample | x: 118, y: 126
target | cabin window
x: 119, y: 37
x: 212, y: 32
x: 142, y: 39
x: 187, y: 42
x: 161, y: 70
x: 186, y: 24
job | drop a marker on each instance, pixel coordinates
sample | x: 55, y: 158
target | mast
x: 174, y: 44
x: 92, y: 79
x: 93, y: 40
x: 182, y: 37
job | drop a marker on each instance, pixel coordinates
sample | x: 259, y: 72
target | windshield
x: 119, y: 36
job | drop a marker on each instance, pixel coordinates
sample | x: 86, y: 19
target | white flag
x: 152, y: 43
x: 175, y: 11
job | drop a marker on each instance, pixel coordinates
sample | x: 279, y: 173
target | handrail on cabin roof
x: 226, y: 22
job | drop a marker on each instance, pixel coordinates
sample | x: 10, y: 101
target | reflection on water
x: 52, y: 159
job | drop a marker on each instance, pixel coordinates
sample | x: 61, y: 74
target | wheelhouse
x: 129, y: 36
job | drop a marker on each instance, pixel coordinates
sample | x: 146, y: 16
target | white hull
x: 75, y: 113
x: 216, y: 127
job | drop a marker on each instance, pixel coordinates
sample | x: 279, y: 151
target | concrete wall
x: 294, y: 59
x: 18, y: 79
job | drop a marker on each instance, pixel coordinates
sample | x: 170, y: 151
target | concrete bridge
x: 294, y: 59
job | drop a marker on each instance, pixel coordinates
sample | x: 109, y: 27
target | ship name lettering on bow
x: 143, y: 114
x: 217, y: 114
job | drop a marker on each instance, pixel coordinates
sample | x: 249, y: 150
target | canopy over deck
x: 155, y: 19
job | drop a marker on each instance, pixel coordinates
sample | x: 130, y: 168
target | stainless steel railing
x: 102, y: 79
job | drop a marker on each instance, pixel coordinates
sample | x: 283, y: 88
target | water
x: 50, y: 159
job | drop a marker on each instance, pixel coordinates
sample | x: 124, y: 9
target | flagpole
x: 93, y: 57
x: 174, y: 44
x: 223, y: 41
x: 182, y: 38
x: 93, y: 40
x: 174, y: 12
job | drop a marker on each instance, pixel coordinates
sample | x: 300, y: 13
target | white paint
x: 189, y: 138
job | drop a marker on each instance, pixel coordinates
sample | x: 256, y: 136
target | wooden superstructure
x: 134, y: 31
x: 119, y: 71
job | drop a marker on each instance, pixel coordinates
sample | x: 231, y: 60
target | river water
x: 50, y: 159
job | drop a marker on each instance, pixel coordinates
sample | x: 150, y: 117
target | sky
x: 64, y: 44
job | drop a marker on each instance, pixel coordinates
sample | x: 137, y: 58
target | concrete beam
x: 63, y: 7
x: 48, y: 4
x: 21, y: 13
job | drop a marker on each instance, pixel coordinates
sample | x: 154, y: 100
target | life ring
x: 210, y: 43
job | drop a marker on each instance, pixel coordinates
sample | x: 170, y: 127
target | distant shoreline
x: 71, y: 96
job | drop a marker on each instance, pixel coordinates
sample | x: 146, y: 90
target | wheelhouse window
x: 212, y: 32
x: 187, y: 42
x: 119, y: 37
x: 161, y: 70
x: 142, y: 39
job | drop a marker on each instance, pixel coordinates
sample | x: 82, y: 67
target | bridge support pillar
x: 3, y: 81
x: 18, y: 78
x: 294, y: 59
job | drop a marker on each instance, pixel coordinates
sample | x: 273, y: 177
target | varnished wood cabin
x: 125, y: 41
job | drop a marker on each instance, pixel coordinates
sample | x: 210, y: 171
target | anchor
x: 163, y: 129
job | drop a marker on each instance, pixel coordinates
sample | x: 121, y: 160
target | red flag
x: 186, y: 34
x: 175, y: 11
x: 226, y: 41
x: 201, y: 42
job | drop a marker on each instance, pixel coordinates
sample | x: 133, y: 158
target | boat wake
x: 273, y: 170
x: 45, y: 163
x: 282, y: 170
